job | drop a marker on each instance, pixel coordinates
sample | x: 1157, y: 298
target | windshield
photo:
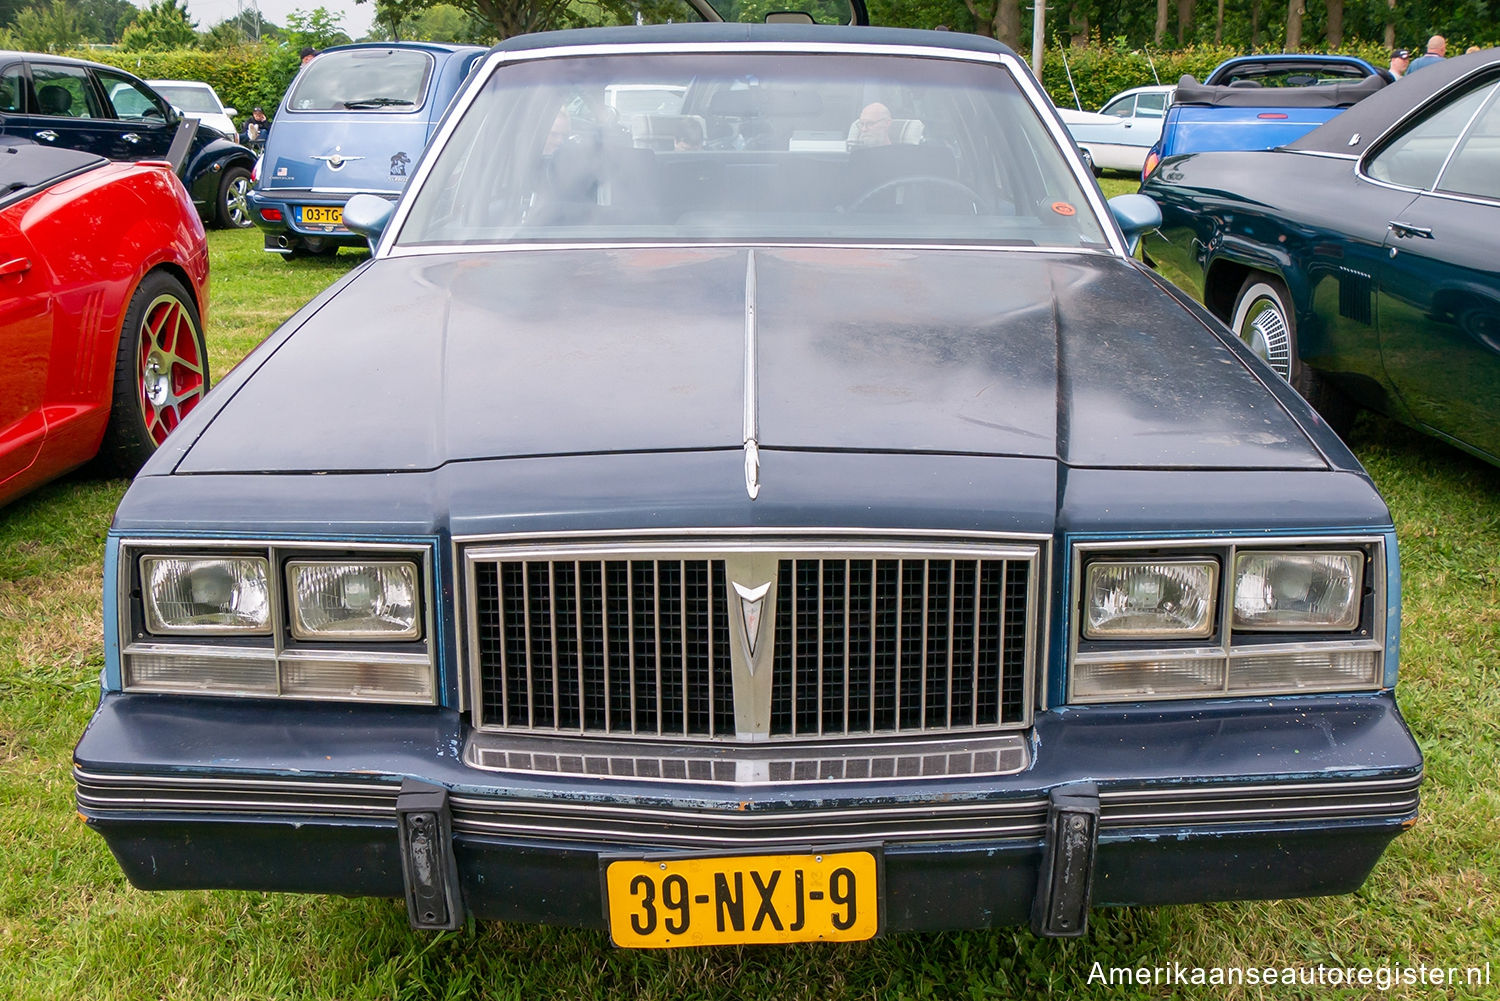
x: 373, y: 79
x: 758, y: 146
x: 190, y: 99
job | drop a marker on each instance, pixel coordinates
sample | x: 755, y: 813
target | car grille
x: 862, y: 644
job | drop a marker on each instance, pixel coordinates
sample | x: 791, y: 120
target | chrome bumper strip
x: 106, y: 796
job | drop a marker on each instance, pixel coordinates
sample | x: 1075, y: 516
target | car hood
x: 421, y: 361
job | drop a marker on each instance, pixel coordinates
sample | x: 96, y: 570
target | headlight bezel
x: 367, y: 662
x: 1237, y: 649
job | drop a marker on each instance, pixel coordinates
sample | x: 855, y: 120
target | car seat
x: 54, y: 100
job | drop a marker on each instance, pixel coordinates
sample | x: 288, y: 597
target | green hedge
x: 243, y: 77
x: 1101, y: 72
x: 251, y: 75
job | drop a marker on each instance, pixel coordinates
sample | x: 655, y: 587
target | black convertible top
x: 1341, y: 94
x: 1357, y: 129
x: 26, y: 169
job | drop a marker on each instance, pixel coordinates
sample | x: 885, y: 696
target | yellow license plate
x: 322, y: 215
x: 752, y: 899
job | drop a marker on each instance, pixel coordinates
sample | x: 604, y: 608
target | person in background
x: 1437, y: 51
x: 257, y: 127
x: 1471, y: 49
x: 1400, y: 63
x: 308, y: 52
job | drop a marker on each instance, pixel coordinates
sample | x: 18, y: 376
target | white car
x: 1118, y: 136
x: 198, y: 100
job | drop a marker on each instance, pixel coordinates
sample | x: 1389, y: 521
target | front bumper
x: 1278, y: 798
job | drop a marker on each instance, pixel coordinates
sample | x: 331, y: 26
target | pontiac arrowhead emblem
x: 751, y: 602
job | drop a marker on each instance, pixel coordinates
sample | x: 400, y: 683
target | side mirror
x: 367, y: 215
x: 231, y: 112
x: 1136, y: 215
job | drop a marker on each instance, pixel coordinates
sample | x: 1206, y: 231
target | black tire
x: 233, y: 208
x: 1266, y: 322
x: 161, y: 372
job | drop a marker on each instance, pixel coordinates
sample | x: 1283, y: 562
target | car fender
x: 205, y: 166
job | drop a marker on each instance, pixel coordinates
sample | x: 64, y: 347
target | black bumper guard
x: 429, y: 867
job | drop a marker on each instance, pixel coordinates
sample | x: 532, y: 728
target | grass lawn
x: 71, y: 927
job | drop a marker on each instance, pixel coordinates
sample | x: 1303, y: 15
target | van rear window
x: 381, y: 80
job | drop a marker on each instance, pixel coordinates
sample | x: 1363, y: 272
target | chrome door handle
x: 1403, y: 229
x: 48, y: 135
x: 131, y: 137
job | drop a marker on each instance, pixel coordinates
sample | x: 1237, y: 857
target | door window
x: 64, y: 92
x: 1417, y: 155
x: 12, y: 88
x: 1123, y: 108
x: 131, y: 102
x: 1474, y: 168
x: 1151, y: 105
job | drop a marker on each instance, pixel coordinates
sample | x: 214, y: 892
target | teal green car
x: 1359, y: 261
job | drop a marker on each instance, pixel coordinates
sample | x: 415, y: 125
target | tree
x: 999, y: 19
x: 164, y: 25
x: 318, y: 27
x: 105, y: 20
x: 53, y: 28
x: 1294, y: 12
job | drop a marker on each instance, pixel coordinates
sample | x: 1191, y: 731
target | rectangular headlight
x: 1298, y: 591
x: 371, y: 600
x: 1150, y: 599
x: 206, y: 595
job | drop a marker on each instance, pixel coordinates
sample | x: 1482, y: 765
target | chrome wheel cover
x: 1266, y: 332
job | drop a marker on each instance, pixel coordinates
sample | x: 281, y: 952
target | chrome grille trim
x: 749, y: 765
x: 713, y: 693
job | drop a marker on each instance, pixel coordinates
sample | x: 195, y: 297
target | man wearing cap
x: 1437, y: 51
x: 257, y: 127
x: 1400, y: 63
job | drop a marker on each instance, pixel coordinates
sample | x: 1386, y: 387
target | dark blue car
x: 781, y: 510
x: 72, y: 104
x: 355, y: 120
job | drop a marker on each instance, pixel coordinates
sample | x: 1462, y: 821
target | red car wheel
x: 161, y: 371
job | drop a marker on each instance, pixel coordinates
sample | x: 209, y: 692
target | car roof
x: 1358, y: 128
x: 729, y: 33
x: 71, y: 60
x: 434, y: 47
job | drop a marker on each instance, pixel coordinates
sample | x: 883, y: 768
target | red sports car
x: 103, y: 288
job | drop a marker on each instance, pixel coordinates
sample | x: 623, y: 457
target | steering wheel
x: 931, y: 180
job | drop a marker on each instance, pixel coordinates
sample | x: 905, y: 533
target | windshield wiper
x: 376, y: 102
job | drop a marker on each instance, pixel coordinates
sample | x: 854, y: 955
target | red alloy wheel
x: 169, y: 366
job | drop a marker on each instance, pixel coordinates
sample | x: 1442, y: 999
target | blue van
x: 354, y: 120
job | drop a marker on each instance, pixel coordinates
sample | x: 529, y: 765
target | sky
x: 357, y: 18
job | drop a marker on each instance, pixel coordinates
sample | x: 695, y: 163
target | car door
x: 142, y: 123
x: 63, y: 109
x: 1439, y: 285
x: 25, y: 342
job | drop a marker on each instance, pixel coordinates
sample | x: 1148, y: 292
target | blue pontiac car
x: 355, y: 120
x: 775, y: 519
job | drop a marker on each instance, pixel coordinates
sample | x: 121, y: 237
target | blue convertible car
x: 792, y: 515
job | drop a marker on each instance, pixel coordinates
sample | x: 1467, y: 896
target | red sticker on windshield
x: 1063, y: 208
